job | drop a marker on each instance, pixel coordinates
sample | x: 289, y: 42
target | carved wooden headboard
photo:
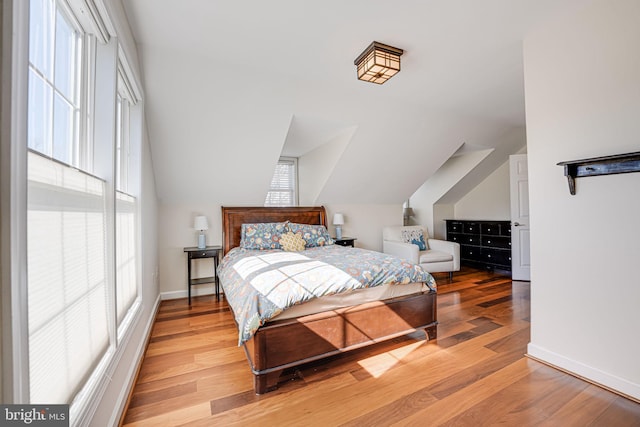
x: 234, y: 217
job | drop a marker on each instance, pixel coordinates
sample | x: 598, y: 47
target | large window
x: 283, y: 190
x: 125, y: 202
x: 82, y: 213
x: 67, y: 273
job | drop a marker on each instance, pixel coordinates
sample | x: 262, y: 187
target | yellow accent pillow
x: 291, y: 242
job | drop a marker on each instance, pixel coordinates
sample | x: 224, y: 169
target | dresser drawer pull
x: 488, y: 241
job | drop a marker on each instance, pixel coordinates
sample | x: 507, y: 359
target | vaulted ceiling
x: 231, y: 85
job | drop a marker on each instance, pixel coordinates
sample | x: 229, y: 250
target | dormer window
x: 283, y: 190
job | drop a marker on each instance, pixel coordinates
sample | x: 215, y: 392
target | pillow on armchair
x: 415, y: 236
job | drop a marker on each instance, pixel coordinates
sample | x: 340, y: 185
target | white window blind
x: 126, y: 272
x: 283, y: 190
x: 67, y: 288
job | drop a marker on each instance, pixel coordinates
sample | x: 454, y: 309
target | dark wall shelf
x: 606, y: 165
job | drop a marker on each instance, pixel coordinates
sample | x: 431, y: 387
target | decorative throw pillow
x: 265, y: 235
x: 314, y: 235
x: 415, y: 236
x: 291, y: 242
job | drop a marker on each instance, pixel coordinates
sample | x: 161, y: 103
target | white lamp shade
x: 200, y: 223
x: 338, y: 219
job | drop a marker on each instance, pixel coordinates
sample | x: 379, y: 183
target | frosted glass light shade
x: 378, y: 63
x: 200, y: 223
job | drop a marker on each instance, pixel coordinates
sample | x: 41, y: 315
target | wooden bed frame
x: 282, y: 344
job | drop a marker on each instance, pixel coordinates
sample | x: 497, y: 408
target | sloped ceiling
x: 232, y: 85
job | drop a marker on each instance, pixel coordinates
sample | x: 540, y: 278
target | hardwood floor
x: 474, y: 374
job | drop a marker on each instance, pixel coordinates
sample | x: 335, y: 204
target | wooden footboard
x: 283, y: 344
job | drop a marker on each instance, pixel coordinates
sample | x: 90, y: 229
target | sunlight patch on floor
x: 377, y: 365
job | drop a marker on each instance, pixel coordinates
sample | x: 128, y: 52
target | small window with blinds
x: 283, y: 190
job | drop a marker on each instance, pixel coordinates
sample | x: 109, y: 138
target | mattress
x: 358, y: 296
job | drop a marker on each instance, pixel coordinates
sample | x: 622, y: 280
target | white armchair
x: 440, y: 256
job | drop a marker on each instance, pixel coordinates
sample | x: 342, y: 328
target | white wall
x: 2, y: 101
x: 13, y: 199
x: 489, y: 200
x: 315, y: 167
x: 441, y: 212
x: 365, y: 222
x: 447, y: 176
x: 175, y: 233
x: 582, y: 86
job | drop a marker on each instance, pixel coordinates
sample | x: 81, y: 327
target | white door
x: 519, y: 184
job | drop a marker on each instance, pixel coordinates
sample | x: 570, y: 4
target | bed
x: 283, y: 343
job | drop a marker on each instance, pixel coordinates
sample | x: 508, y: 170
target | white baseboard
x: 588, y: 373
x: 196, y: 292
x: 139, y: 355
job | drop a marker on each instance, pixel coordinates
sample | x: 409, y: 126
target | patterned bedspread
x: 259, y: 285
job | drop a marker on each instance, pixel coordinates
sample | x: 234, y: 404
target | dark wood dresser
x: 483, y: 244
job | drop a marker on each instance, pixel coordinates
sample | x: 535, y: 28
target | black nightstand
x: 208, y: 252
x: 346, y: 241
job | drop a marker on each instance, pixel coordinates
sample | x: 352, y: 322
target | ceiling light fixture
x: 378, y: 63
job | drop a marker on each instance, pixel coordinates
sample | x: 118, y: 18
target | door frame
x: 520, y: 220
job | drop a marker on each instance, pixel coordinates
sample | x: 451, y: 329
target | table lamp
x: 200, y: 224
x: 407, y: 214
x: 338, y: 221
